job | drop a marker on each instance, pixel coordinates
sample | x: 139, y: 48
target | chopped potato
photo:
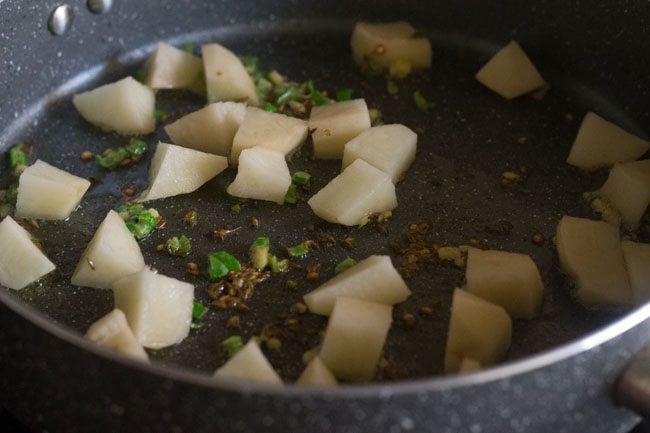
x: 510, y: 280
x: 590, y: 253
x: 171, y: 68
x: 335, y: 124
x: 469, y: 366
x: 373, y: 279
x: 111, y: 254
x: 354, y: 338
x: 390, y: 148
x: 510, y: 73
x: 273, y: 131
x: 46, y: 192
x: 249, y: 364
x: 158, y: 308
x: 478, y: 329
x: 125, y: 106
x: 628, y: 190
x: 210, y: 129
x: 358, y: 191
x: 601, y: 143
x: 262, y: 174
x: 113, y: 331
x: 21, y: 262
x: 177, y: 170
x: 380, y: 46
x: 226, y: 77
x: 317, y: 374
x: 637, y: 263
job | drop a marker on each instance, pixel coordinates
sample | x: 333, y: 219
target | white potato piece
x: 48, y: 193
x: 113, y: 331
x: 359, y: 190
x: 125, y: 106
x: 510, y: 280
x: 469, y: 365
x: 510, y: 73
x: 210, y: 129
x: 601, y: 143
x: 390, y: 148
x: 335, y: 124
x: 171, y: 68
x: 637, y: 263
x: 273, y: 131
x: 590, y: 253
x: 158, y: 308
x: 478, y: 329
x: 380, y: 45
x: 263, y: 174
x: 373, y: 279
x: 249, y: 364
x: 111, y: 254
x: 317, y: 374
x: 177, y: 170
x: 21, y: 262
x: 226, y: 77
x: 354, y: 338
x: 628, y: 189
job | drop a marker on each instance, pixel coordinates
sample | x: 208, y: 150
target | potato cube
x: 335, y: 124
x: 317, y: 374
x: 358, y: 191
x: 113, y: 331
x: 628, y: 190
x: 601, y: 143
x: 262, y: 175
x: 382, y: 45
x: 373, y: 279
x: 510, y: 73
x: 111, y: 254
x: 590, y: 253
x: 637, y: 263
x: 158, y: 308
x: 354, y: 338
x: 390, y: 148
x: 21, y: 262
x: 478, y: 329
x: 273, y: 131
x: 126, y: 107
x: 226, y: 77
x: 249, y: 364
x: 510, y: 280
x: 171, y: 68
x: 48, y: 193
x: 210, y: 129
x: 177, y: 170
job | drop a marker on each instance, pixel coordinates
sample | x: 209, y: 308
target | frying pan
x: 562, y: 367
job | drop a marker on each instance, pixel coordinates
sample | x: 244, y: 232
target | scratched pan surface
x: 469, y: 138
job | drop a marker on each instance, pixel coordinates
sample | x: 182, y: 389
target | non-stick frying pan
x: 561, y: 366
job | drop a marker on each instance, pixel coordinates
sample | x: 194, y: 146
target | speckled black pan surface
x: 464, y: 144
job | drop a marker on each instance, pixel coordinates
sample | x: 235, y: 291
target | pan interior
x: 465, y: 143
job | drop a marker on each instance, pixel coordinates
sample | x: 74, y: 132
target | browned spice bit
x: 568, y: 117
x: 292, y: 323
x: 38, y: 244
x: 222, y: 233
x: 326, y: 239
x: 538, y: 239
x: 414, y: 249
x: 255, y: 222
x: 191, y: 267
x: 273, y: 343
x: 161, y: 223
x: 234, y: 322
x: 87, y: 155
x: 522, y: 140
x: 299, y: 308
x: 347, y: 242
x: 474, y: 243
x: 327, y: 132
x: 128, y: 191
x: 409, y: 320
x: 190, y: 217
x: 313, y: 271
x: 90, y: 263
x: 34, y: 223
x: 160, y: 247
x: 380, y: 49
x: 425, y: 311
x: 232, y: 290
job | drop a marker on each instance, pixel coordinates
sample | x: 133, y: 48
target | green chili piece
x: 345, y: 265
x: 300, y: 178
x: 198, y: 310
x: 344, y: 95
x: 292, y: 195
x: 220, y: 263
x: 233, y: 344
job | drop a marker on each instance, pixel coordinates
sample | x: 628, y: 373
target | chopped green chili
x: 278, y: 266
x: 198, y: 310
x: 270, y: 107
x: 140, y: 75
x: 292, y: 285
x: 160, y: 116
x: 189, y: 48
x: 233, y: 344
x: 345, y: 265
x: 300, y: 250
x: 259, y: 252
x: 10, y: 195
x: 250, y: 64
x: 230, y: 198
x: 190, y: 217
x: 344, y: 95
x: 113, y: 158
x: 418, y: 35
x: 220, y: 263
x: 300, y: 178
x: 318, y: 99
x: 391, y: 87
x: 17, y: 156
x: 178, y: 246
x: 141, y: 222
x: 421, y: 102
x: 292, y: 195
